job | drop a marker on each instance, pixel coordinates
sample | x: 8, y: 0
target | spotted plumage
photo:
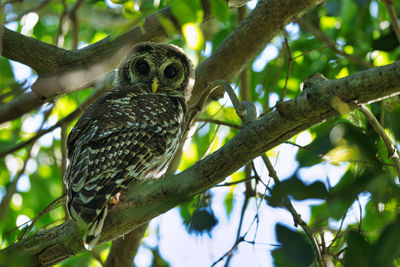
x: 129, y: 134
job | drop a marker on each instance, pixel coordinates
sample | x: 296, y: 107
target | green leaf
x: 203, y: 221
x: 187, y: 11
x: 219, y: 9
x: 313, y: 152
x: 294, y: 246
x: 228, y: 201
x: 298, y: 190
x: 387, y: 248
x: 357, y: 251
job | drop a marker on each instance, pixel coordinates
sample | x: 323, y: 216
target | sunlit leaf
x: 193, y: 36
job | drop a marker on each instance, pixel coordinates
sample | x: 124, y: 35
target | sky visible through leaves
x: 323, y: 169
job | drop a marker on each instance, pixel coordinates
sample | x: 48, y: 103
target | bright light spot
x: 32, y: 123
x: 273, y: 98
x: 384, y: 25
x: 16, y: 200
x: 22, y: 219
x: 52, y: 120
x: 335, y: 172
x: 373, y: 9
x: 207, y: 51
x: 269, y: 53
x: 259, y: 107
x: 13, y: 164
x: 353, y: 213
x: 251, y: 4
x: 381, y: 59
x: 82, y: 44
x: 46, y: 140
x: 143, y: 257
x: 57, y: 133
x: 5, y: 125
x: 22, y: 72
x: 328, y: 236
x: 342, y: 73
x: 156, y: 3
x: 203, y: 130
x: 372, y: 55
x: 336, y: 134
x: 113, y: 3
x: 340, y: 41
x: 327, y: 22
x: 381, y: 207
x: 2, y: 192
x: 348, y: 49
x: 293, y: 30
x: 312, y: 174
x: 29, y: 21
x: 304, y: 138
x: 23, y: 184
x: 193, y: 36
x: 31, y: 166
x: 12, y: 25
x: 283, y: 161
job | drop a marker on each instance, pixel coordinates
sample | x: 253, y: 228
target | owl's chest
x: 147, y: 111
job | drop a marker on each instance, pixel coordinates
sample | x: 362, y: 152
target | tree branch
x: 313, y: 105
x: 62, y: 71
x: 247, y: 40
x: 124, y: 249
x: 55, y: 65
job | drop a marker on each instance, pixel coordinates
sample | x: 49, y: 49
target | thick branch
x: 124, y: 249
x: 49, y: 59
x: 61, y: 71
x: 314, y: 105
x: 247, y: 40
x: 241, y: 46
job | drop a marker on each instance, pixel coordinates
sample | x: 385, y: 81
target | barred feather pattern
x: 128, y: 134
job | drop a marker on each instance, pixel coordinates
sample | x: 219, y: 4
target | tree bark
x: 62, y: 71
x: 124, y: 249
x: 319, y: 102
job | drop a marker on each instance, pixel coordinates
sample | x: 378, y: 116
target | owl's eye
x: 170, y: 71
x: 142, y: 67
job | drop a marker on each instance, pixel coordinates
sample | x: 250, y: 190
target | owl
x: 129, y: 134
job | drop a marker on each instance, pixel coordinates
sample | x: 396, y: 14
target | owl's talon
x: 114, y: 200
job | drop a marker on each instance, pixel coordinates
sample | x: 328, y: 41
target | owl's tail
x: 90, y: 213
x: 91, y: 237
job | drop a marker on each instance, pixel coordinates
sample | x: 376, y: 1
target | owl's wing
x: 103, y: 159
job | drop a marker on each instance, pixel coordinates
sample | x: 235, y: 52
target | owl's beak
x: 154, y: 85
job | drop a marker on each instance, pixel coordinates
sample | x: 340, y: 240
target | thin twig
x: 219, y: 122
x: 393, y: 17
x: 236, y: 182
x: 35, y: 8
x: 296, y: 217
x: 290, y: 60
x: 393, y: 153
x: 12, y: 187
x: 340, y: 229
x: 324, y: 38
x: 65, y: 121
x: 238, y: 236
x: 245, y: 109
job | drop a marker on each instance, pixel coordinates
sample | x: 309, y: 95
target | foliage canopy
x: 343, y: 162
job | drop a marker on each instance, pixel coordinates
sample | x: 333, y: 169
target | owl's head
x: 157, y: 68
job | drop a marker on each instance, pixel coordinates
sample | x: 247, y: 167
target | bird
x: 130, y: 134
